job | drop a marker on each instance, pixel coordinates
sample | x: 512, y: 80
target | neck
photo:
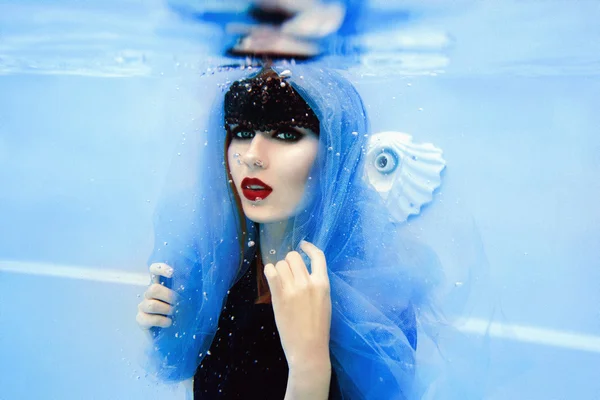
x: 272, y: 238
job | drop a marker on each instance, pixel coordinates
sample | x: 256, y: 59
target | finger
x: 285, y: 274
x: 317, y: 259
x: 162, y: 293
x: 297, y: 266
x: 151, y: 306
x: 273, y: 280
x: 160, y: 269
x: 147, y: 321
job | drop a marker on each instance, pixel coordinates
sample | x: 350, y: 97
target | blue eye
x: 386, y: 162
x: 288, y: 136
x: 244, y: 134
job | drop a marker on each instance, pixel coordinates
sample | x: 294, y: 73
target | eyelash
x: 296, y: 136
x: 238, y: 135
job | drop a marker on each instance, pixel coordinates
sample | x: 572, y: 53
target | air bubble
x: 272, y: 251
x: 251, y: 243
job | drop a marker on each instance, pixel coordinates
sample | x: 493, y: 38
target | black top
x: 246, y: 359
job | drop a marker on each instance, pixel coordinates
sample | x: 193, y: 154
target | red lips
x: 255, y: 189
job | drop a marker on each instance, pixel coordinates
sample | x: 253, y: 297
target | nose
x: 256, y: 156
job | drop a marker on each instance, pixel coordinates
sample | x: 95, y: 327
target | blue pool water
x: 95, y: 97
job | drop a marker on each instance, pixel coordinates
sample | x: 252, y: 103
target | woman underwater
x: 281, y: 272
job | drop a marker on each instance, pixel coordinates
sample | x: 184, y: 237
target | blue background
x: 95, y: 97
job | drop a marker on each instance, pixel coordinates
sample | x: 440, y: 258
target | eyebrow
x: 240, y: 128
x: 286, y: 127
x: 237, y: 129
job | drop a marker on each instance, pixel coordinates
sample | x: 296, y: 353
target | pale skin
x: 301, y: 298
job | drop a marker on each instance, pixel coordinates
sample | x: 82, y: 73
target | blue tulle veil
x: 395, y: 288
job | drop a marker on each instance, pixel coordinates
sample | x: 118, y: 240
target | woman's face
x: 270, y: 170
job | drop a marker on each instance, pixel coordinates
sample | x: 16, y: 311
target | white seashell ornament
x: 404, y: 173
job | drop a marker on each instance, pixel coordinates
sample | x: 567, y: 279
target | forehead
x: 305, y: 131
x: 267, y: 101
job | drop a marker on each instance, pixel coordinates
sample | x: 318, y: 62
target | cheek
x: 230, y: 154
x: 303, y: 162
x: 232, y: 160
x: 310, y: 157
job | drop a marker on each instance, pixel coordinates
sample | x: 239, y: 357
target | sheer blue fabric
x: 395, y: 288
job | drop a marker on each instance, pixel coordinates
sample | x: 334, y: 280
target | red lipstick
x: 254, y: 189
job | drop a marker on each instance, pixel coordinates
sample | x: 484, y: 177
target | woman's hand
x: 302, y: 307
x: 158, y: 301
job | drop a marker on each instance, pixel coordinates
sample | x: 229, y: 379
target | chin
x: 265, y: 215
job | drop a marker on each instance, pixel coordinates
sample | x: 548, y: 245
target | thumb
x: 160, y: 269
x: 273, y: 281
